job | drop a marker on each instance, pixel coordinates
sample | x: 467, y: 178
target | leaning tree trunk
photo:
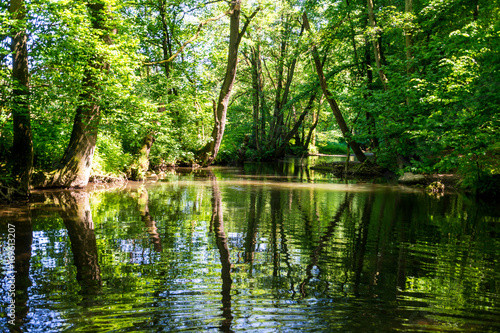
x: 77, y: 159
x: 312, y: 130
x: 208, y: 153
x: 22, y: 148
x: 256, y: 91
x: 333, y: 104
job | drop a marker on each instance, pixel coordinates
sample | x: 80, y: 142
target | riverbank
x: 355, y: 169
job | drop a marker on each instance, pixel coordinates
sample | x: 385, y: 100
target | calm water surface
x: 260, y: 249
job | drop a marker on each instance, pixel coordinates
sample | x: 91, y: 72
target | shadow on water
x: 217, y: 250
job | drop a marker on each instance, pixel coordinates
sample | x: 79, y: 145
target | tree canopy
x: 116, y: 88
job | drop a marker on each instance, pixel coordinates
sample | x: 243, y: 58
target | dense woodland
x: 109, y: 87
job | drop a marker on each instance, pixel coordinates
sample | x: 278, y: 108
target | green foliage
x: 109, y: 157
x: 330, y: 143
x: 438, y: 112
x: 48, y: 145
x: 332, y: 148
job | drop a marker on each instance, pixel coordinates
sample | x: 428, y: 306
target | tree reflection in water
x: 324, y: 241
x: 77, y: 218
x: 291, y: 256
x: 22, y: 253
x: 148, y: 220
x: 217, y: 225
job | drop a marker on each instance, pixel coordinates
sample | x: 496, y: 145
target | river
x: 255, y: 249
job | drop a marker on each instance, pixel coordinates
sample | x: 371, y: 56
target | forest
x: 109, y: 88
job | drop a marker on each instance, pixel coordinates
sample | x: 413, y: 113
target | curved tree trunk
x: 208, y: 153
x: 77, y: 160
x: 22, y: 148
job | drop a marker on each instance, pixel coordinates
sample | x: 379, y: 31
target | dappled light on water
x: 227, y: 249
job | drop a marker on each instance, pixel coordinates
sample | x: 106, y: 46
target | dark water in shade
x: 256, y: 250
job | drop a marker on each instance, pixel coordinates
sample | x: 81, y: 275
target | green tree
x: 333, y: 104
x: 22, y: 148
x: 209, y: 152
x: 77, y: 160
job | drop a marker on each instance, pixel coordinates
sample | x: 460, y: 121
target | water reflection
x: 150, y: 224
x: 22, y: 254
x: 77, y: 218
x: 217, y: 225
x: 214, y: 251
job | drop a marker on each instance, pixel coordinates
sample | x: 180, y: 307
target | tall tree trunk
x: 333, y: 104
x: 277, y: 120
x: 77, y: 160
x: 263, y: 108
x: 376, y: 44
x: 409, y: 38
x: 166, y: 41
x: 254, y: 58
x: 369, y: 82
x: 208, y: 153
x: 22, y: 148
x: 312, y: 130
x: 280, y: 150
x: 277, y: 133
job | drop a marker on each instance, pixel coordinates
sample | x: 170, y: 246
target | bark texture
x: 208, y: 153
x: 22, y: 148
x: 77, y: 159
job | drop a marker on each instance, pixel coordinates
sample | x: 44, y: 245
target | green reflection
x: 219, y: 251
